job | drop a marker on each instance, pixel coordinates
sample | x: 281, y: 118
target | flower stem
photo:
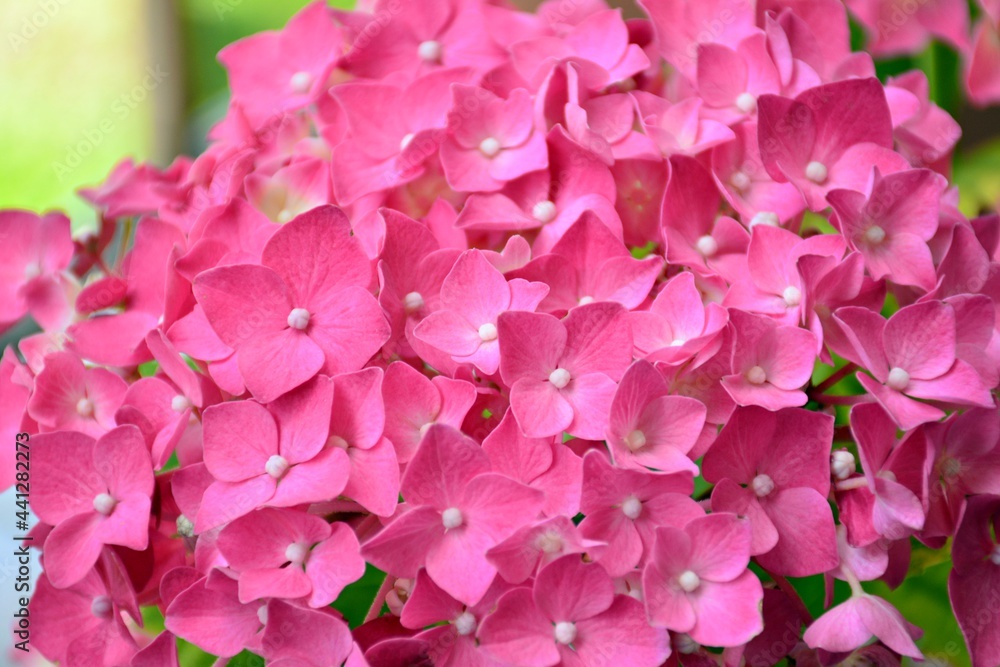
x: 831, y: 399
x: 836, y: 377
x: 376, y: 608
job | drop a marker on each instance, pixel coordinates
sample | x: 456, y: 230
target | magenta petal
x: 72, y: 548
x: 517, y: 633
x: 729, y: 614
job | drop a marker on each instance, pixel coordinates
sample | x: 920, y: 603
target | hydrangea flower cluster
x: 479, y: 298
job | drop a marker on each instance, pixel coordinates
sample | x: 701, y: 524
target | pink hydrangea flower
x: 572, y: 613
x: 697, y: 582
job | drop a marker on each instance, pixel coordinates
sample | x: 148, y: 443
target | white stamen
x: 565, y: 632
x: 465, y: 624
x: 405, y: 142
x: 707, y: 246
x: 762, y: 485
x: 544, y: 211
x: 677, y: 342
x: 285, y: 216
x: 842, y: 464
x: 488, y: 332
x: 451, y: 518
x: 104, y: 504
x: 85, y: 407
x: 430, y: 51
x: 739, y: 180
x: 898, y: 379
x: 816, y: 171
x: 337, y: 441
x: 101, y: 606
x: 413, y: 302
x: 301, y: 82
x: 746, y: 103
x: 298, y: 318
x: 632, y: 507
x: 995, y: 555
x: 550, y: 542
x: 874, y: 235
x: 262, y: 614
x: 685, y: 644
x: 586, y: 300
x: 276, y: 466
x: 768, y: 218
x: 559, y: 378
x: 180, y: 403
x: 185, y: 527
x: 489, y: 147
x: 426, y: 427
x: 635, y: 440
x: 950, y: 468
x: 689, y: 581
x: 32, y: 271
x: 297, y: 553
x: 792, y: 296
x: 756, y: 375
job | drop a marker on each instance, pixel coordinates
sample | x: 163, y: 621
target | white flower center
x: 262, y: 614
x: 32, y: 271
x: 101, y: 606
x: 685, y: 644
x: 586, y: 300
x: 565, y: 632
x: 951, y: 467
x: 756, y: 375
x: 544, y: 211
x: 549, y: 542
x: 104, y: 504
x: 739, y: 180
x: 85, y: 407
x: 632, y: 507
x: 768, y: 218
x: 635, y: 440
x: 488, y: 332
x: 995, y: 555
x: 406, y: 141
x: 874, y: 235
x: 842, y: 464
x: 898, y: 379
x: 689, y: 581
x: 746, y: 103
x: 301, y: 82
x: 792, y: 296
x: 413, y: 302
x: 180, y: 403
x: 816, y: 171
x: 762, y: 485
x: 297, y: 553
x: 677, y: 342
x: 489, y: 147
x: 707, y: 246
x: 430, y: 51
x: 337, y: 441
x: 559, y: 378
x: 276, y: 466
x: 451, y: 518
x: 426, y: 427
x: 284, y: 215
x: 465, y: 624
x: 185, y: 527
x: 298, y: 318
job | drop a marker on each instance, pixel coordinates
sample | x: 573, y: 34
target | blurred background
x: 84, y: 83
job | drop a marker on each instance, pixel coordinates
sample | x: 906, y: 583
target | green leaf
x: 357, y: 598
